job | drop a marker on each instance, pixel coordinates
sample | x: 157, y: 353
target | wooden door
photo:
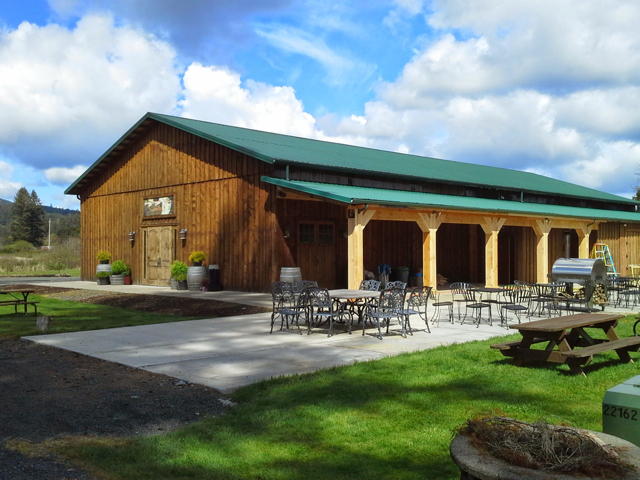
x: 158, y: 255
x: 317, y: 252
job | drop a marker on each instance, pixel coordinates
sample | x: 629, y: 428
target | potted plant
x: 197, y: 258
x: 103, y: 278
x: 119, y: 269
x: 103, y: 256
x: 179, y: 275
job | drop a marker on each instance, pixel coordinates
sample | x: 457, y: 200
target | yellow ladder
x: 601, y: 250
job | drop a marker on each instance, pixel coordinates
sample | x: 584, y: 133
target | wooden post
x: 429, y: 224
x: 542, y: 229
x: 356, y: 222
x: 491, y: 227
x: 583, y: 237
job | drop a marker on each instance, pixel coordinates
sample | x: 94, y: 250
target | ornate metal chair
x: 285, y: 305
x: 472, y: 302
x: 322, y: 309
x: 357, y: 306
x: 516, y: 299
x: 389, y: 306
x: 417, y: 303
x: 395, y: 284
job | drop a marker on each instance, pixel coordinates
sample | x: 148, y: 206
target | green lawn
x: 72, y: 272
x: 388, y: 419
x: 74, y: 316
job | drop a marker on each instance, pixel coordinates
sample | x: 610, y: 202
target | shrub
x: 179, y: 270
x: 197, y: 256
x: 17, y: 247
x: 56, y: 264
x: 120, y: 268
x: 103, y: 274
x: 103, y: 255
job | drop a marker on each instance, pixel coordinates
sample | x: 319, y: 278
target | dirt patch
x: 47, y: 392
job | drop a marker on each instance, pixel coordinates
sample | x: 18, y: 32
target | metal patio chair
x: 475, y: 304
x: 516, y: 299
x: 417, y: 302
x: 285, y: 305
x: 389, y: 306
x: 323, y: 310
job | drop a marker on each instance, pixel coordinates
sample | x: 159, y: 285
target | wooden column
x: 583, y: 237
x: 357, y: 220
x: 542, y: 229
x: 491, y: 227
x: 429, y: 224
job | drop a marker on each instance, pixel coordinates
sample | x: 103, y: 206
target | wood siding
x: 623, y: 241
x: 228, y: 213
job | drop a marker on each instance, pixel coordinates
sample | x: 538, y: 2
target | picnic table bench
x: 17, y: 301
x: 568, y: 342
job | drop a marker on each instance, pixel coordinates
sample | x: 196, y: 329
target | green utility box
x: 621, y: 411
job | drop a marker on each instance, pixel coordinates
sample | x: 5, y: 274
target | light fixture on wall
x: 183, y: 236
x: 287, y: 232
x: 132, y: 237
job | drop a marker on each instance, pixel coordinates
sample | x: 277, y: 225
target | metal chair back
x: 395, y: 284
x: 370, y: 285
x: 282, y: 294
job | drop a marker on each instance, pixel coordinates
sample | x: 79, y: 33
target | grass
x: 71, y: 272
x: 74, y: 316
x: 387, y: 419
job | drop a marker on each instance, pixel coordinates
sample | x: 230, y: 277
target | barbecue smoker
x: 590, y: 273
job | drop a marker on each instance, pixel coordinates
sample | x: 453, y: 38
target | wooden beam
x: 542, y: 229
x: 583, y: 232
x: 491, y: 227
x: 429, y: 224
x: 356, y: 223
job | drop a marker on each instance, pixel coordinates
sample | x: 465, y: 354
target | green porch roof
x: 285, y: 149
x: 362, y: 195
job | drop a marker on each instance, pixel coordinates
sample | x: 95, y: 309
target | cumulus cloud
x: 64, y: 176
x: 64, y: 92
x: 217, y: 94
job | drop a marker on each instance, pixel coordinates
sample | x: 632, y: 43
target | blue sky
x: 551, y: 87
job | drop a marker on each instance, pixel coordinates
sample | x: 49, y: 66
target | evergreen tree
x: 28, y: 217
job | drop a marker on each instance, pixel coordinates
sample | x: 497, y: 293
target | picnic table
x: 567, y: 341
x: 19, y: 297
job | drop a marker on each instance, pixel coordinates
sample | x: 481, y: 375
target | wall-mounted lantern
x: 183, y: 236
x: 132, y: 237
x: 287, y: 232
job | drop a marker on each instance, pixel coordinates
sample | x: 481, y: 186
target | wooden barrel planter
x: 116, y: 279
x: 195, y: 276
x: 103, y: 267
x: 293, y: 276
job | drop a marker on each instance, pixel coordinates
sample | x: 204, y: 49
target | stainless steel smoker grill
x: 591, y: 273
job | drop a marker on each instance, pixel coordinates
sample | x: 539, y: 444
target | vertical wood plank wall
x: 228, y: 213
x: 623, y: 241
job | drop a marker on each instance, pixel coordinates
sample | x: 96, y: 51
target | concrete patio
x: 230, y: 352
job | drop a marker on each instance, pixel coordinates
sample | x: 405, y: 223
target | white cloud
x: 61, y: 90
x: 216, y: 94
x: 64, y: 176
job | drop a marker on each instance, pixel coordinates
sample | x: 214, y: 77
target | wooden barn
x: 255, y: 202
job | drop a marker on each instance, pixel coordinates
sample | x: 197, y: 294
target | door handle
x: 159, y: 261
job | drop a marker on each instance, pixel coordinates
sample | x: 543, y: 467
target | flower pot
x: 103, y: 281
x: 182, y: 285
x: 104, y: 262
x: 116, y: 279
x: 197, y: 264
x: 174, y: 284
x: 127, y: 279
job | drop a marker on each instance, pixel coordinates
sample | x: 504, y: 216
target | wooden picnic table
x: 19, y: 297
x: 568, y: 342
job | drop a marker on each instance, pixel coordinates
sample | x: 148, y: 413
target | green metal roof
x: 378, y: 196
x: 272, y: 147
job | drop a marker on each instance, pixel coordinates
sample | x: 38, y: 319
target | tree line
x: 27, y: 220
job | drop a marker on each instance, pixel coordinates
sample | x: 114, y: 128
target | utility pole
x: 49, y: 247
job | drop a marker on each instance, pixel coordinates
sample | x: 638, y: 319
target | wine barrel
x: 293, y: 276
x: 195, y: 276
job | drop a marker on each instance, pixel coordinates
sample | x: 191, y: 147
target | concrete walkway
x: 229, y: 352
